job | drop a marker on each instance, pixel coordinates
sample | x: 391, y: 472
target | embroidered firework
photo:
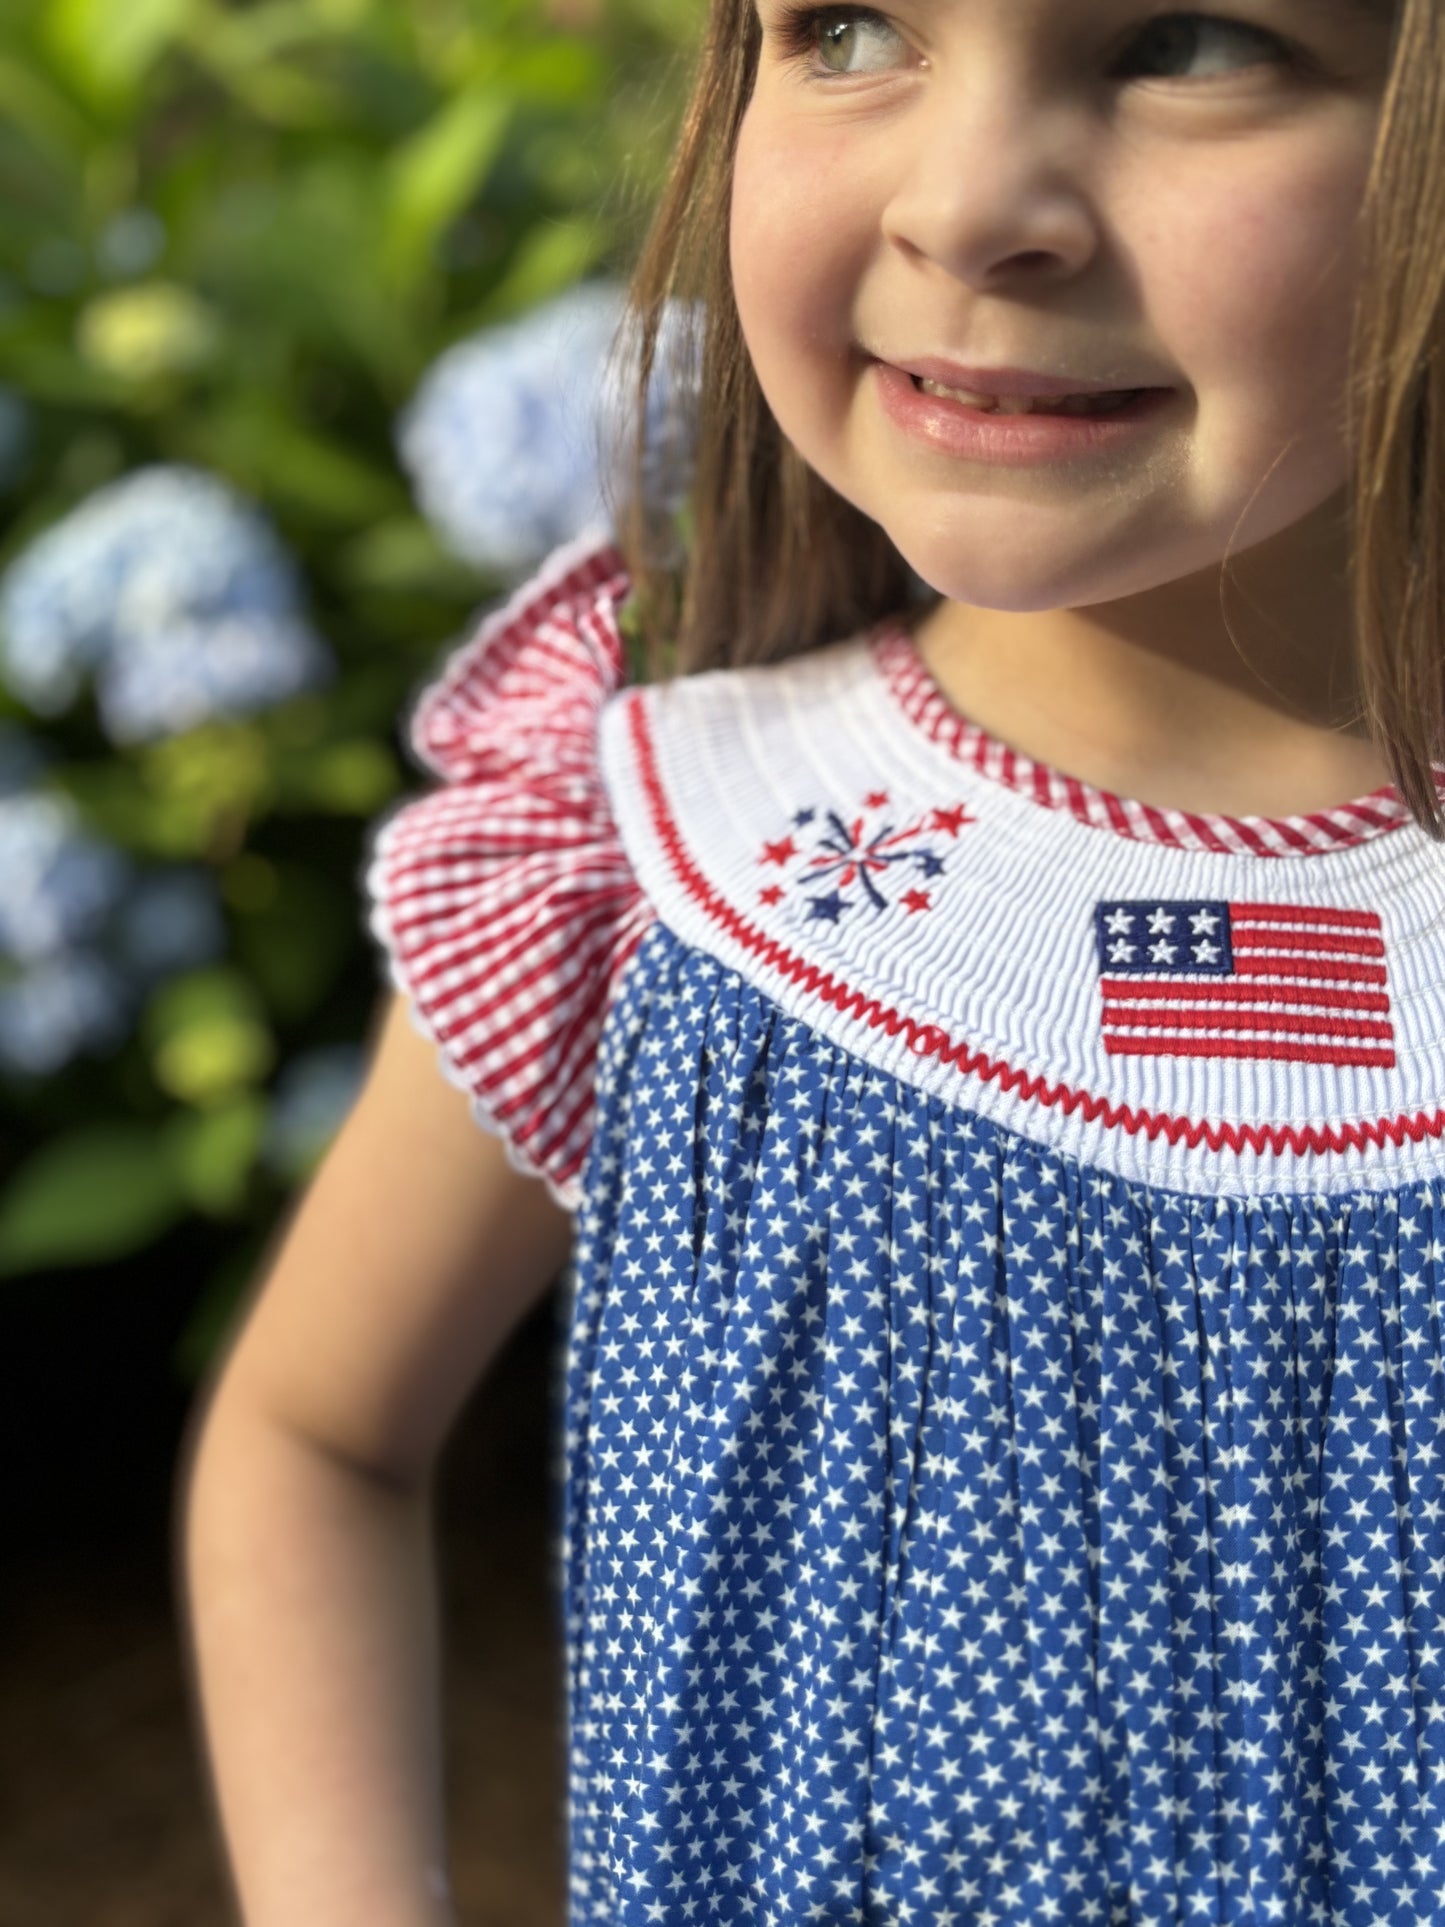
x: 837, y: 865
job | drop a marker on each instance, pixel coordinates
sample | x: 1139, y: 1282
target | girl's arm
x: 304, y: 1515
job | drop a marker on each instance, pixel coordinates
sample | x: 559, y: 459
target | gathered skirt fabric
x: 952, y: 1535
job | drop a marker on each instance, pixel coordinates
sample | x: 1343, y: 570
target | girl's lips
x: 975, y: 434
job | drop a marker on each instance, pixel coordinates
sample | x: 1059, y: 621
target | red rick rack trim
x: 910, y: 682
x: 928, y: 1040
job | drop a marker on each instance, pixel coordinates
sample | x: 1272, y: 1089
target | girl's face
x: 1098, y: 189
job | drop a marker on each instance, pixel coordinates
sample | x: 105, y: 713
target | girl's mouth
x: 1018, y: 431
x: 1097, y: 404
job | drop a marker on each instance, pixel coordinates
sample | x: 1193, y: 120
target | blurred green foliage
x: 235, y: 236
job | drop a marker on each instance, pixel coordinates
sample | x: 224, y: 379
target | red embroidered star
x: 877, y: 801
x: 773, y: 894
x: 916, y: 900
x: 779, y: 853
x: 952, y: 820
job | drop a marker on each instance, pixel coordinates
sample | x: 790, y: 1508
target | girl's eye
x: 1177, y: 36
x: 809, y: 35
x: 803, y: 31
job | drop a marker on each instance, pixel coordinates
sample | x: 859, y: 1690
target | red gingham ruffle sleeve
x: 503, y: 900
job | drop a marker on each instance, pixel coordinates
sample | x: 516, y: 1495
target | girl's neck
x: 1153, y: 698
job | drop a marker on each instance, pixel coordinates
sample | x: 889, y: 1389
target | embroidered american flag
x: 1302, y: 983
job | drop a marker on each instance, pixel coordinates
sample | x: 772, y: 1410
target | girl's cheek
x: 796, y: 243
x: 765, y: 188
x: 1242, y: 272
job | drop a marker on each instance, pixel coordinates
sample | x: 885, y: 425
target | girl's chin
x: 1029, y: 587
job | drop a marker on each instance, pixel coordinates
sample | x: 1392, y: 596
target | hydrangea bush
x: 287, y: 402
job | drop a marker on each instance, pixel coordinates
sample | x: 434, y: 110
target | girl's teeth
x: 1012, y: 405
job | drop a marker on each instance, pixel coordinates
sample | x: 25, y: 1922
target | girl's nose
x: 990, y: 183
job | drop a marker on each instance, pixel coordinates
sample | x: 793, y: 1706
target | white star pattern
x: 951, y: 1535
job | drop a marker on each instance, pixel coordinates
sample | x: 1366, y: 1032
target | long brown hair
x: 775, y: 561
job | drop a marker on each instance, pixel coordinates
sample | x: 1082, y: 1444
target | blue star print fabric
x: 999, y: 1392
x: 960, y: 1535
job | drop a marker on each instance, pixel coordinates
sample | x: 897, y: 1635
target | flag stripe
x: 1321, y: 940
x: 1221, y: 990
x: 1311, y: 968
x: 1231, y: 1020
x: 1302, y: 914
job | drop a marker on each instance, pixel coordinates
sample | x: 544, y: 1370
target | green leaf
x: 259, y: 34
x: 108, y: 49
x: 45, y: 117
x: 262, y: 69
x: 290, y: 255
x: 104, y: 1191
x: 153, y: 332
x: 214, y: 1152
x: 435, y: 174
x: 255, y: 442
x: 556, y: 73
x: 207, y: 1036
x: 343, y: 779
x: 53, y: 371
x: 295, y: 945
x: 553, y: 255
x: 401, y: 556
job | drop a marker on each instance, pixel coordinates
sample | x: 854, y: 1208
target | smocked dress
x: 1000, y: 1375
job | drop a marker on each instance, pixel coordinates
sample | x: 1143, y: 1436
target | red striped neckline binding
x: 909, y: 680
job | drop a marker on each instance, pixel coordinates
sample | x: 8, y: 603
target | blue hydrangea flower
x: 170, y: 921
x: 511, y: 439
x: 76, y: 1001
x: 174, y: 593
x: 61, y: 885
x: 168, y: 680
x: 313, y: 1095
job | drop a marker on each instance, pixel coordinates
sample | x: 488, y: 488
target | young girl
x: 990, y: 1086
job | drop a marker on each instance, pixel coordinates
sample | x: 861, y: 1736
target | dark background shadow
x: 103, y: 1810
